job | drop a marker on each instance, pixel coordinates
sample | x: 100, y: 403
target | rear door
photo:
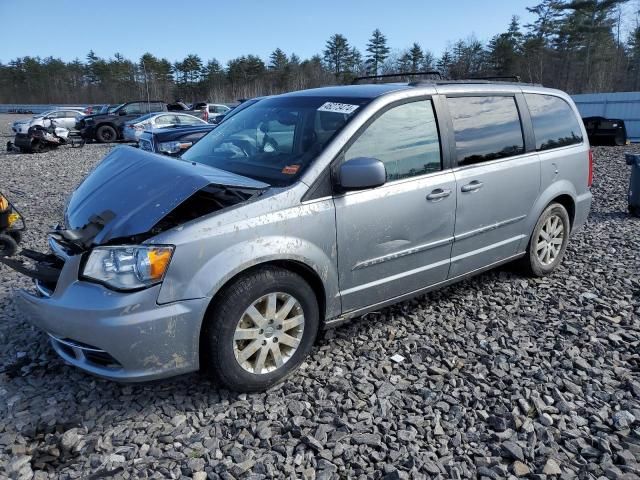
x: 396, y: 239
x: 497, y: 179
x: 67, y: 119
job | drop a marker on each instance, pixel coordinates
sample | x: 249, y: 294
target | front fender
x: 209, y: 277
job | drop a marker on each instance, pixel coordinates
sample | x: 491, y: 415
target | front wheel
x: 260, y: 329
x: 548, y: 241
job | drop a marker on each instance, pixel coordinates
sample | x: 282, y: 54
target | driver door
x: 396, y: 239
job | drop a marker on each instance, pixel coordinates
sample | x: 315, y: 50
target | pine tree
x: 504, y: 50
x: 337, y: 54
x: 415, y: 57
x: 278, y: 60
x: 378, y: 51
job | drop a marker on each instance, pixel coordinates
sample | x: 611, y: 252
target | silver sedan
x: 132, y: 130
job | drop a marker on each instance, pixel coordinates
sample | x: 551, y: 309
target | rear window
x: 486, y: 128
x: 554, y: 123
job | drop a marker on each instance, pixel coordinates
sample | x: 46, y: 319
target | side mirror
x: 360, y: 173
x: 122, y: 112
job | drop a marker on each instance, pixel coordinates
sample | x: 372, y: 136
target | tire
x: 16, y: 235
x: 619, y: 140
x: 536, y: 263
x: 223, y: 351
x: 106, y: 134
x: 38, y: 147
x: 8, y: 246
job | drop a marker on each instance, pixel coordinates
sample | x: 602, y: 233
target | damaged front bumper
x: 120, y: 336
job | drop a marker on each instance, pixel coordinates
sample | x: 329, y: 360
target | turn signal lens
x: 154, y: 266
x: 590, y: 179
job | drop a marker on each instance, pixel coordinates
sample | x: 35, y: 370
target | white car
x: 63, y: 117
x: 132, y: 130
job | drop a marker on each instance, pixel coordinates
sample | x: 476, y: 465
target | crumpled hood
x: 139, y: 189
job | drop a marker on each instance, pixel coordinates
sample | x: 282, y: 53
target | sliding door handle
x: 438, y: 194
x: 472, y: 187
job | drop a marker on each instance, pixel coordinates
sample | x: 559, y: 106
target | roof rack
x: 399, y: 74
x: 499, y: 78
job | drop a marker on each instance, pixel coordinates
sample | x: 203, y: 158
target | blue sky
x: 227, y: 29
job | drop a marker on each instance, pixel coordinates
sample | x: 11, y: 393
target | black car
x: 605, y: 131
x: 107, y: 127
x: 173, y: 141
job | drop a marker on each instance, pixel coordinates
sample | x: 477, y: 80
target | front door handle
x: 438, y: 194
x: 472, y: 187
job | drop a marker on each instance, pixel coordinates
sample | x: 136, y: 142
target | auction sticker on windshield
x: 337, y: 107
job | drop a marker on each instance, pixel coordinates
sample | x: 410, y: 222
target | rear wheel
x: 8, y: 246
x: 16, y: 235
x: 39, y: 147
x: 548, y: 241
x: 260, y: 330
x: 620, y: 139
x: 106, y: 134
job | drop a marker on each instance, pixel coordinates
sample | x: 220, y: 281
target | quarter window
x: 164, y: 120
x: 485, y: 128
x: 404, y: 138
x: 554, y: 123
x: 189, y: 120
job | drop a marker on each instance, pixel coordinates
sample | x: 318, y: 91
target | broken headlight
x: 128, y: 267
x: 173, y: 147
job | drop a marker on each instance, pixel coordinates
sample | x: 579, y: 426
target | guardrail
x: 35, y: 108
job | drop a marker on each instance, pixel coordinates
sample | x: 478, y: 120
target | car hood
x: 131, y: 190
x: 99, y: 117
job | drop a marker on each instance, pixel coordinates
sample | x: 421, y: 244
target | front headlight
x: 173, y: 147
x: 128, y: 267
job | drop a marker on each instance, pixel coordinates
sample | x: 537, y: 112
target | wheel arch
x: 569, y: 203
x: 305, y: 271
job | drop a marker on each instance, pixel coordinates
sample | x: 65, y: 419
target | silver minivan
x: 301, y: 212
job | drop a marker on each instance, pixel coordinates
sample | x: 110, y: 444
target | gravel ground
x: 499, y: 376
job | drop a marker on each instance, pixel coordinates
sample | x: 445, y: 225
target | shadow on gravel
x: 597, y: 217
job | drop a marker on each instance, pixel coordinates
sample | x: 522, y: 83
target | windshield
x: 112, y: 108
x: 275, y: 139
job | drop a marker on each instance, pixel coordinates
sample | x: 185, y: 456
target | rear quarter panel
x: 564, y: 171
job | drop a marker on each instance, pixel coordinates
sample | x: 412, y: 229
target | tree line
x: 575, y: 45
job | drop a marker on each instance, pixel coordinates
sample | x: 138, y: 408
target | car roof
x: 354, y: 91
x: 374, y: 90
x: 169, y: 133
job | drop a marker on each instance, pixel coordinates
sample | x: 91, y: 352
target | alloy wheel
x: 268, y: 333
x: 550, y: 239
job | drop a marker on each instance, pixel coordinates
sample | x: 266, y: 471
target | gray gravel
x: 499, y: 376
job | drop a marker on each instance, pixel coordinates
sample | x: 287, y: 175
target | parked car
x: 132, y: 129
x: 107, y: 127
x: 173, y: 141
x: 300, y: 212
x: 65, y: 118
x: 211, y: 112
x: 94, y: 109
x: 606, y: 131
